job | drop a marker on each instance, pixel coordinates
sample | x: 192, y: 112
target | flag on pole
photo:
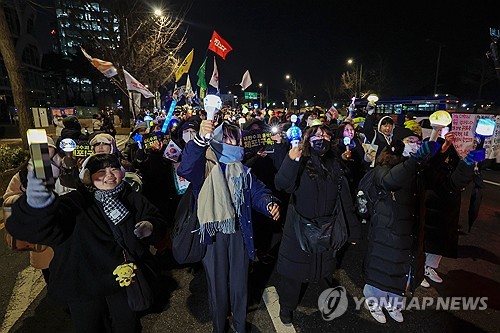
x: 246, y: 81
x: 189, y: 89
x: 185, y: 65
x: 105, y: 67
x: 219, y: 45
x: 133, y: 84
x: 214, y: 80
x: 202, y: 83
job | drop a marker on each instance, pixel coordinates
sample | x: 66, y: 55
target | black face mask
x: 319, y: 147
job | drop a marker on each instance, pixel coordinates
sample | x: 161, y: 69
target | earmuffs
x: 85, y: 176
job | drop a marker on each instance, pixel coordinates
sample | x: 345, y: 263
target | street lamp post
x: 260, y: 95
x: 437, y: 62
x: 359, y: 77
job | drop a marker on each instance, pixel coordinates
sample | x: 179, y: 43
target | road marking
x: 29, y: 284
x: 270, y: 297
x: 490, y: 182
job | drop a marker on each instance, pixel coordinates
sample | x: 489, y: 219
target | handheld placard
x: 39, y: 150
x: 438, y: 120
x: 212, y: 104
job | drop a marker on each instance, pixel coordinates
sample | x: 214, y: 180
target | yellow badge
x: 125, y: 273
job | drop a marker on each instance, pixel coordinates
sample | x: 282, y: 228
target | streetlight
x: 350, y: 61
x: 287, y: 76
x: 437, y: 63
x: 158, y: 12
x: 260, y: 95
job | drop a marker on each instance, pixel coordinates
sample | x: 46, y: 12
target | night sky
x: 311, y: 41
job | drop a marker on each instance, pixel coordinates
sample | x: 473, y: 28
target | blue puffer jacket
x: 257, y: 195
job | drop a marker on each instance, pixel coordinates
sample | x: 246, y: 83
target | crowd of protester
x: 114, y: 203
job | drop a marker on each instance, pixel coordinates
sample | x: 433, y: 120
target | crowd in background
x: 115, y: 203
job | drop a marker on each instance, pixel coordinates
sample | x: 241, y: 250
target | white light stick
x: 212, y: 104
x: 438, y: 120
x: 40, y: 157
x: 347, y: 142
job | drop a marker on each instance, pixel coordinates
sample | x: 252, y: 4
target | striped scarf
x: 113, y: 208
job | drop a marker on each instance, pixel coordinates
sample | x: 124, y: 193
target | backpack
x: 368, y: 195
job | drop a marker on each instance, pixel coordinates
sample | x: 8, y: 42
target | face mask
x: 410, y: 148
x: 319, y: 147
x: 188, y: 135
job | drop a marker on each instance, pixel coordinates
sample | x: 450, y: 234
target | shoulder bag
x: 186, y: 241
x: 324, y: 233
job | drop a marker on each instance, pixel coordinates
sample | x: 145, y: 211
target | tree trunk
x: 16, y: 79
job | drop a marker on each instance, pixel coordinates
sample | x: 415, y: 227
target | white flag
x: 133, y: 84
x: 105, y: 67
x: 214, y: 80
x: 246, y: 81
x: 189, y: 89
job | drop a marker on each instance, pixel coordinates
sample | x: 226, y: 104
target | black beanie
x: 102, y: 161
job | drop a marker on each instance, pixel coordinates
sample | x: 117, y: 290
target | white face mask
x: 410, y: 148
x: 188, y: 135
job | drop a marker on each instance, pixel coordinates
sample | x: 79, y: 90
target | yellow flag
x: 184, y: 67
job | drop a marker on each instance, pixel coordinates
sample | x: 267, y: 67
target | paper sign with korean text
x: 463, y: 126
x: 181, y: 184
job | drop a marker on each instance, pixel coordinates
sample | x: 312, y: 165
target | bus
x: 417, y: 105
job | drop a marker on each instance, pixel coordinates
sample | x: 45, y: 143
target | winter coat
x: 356, y: 166
x: 257, y: 195
x: 311, y: 198
x: 373, y: 135
x: 395, y: 239
x: 85, y: 250
x: 444, y: 186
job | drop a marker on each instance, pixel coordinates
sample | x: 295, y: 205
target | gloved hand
x: 426, y: 151
x: 143, y: 229
x: 475, y: 156
x: 37, y: 193
x: 370, y: 108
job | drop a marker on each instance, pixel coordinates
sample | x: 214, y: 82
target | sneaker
x: 286, y: 317
x: 395, y: 313
x: 375, y: 311
x: 425, y: 283
x: 432, y: 274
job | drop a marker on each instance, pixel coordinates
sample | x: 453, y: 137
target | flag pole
x: 117, y: 83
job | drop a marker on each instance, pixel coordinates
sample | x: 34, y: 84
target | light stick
x: 212, y: 104
x: 438, y: 120
x: 39, y: 150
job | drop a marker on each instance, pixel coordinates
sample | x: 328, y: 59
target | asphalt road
x: 25, y: 308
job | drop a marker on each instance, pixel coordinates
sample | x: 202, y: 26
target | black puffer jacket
x: 444, y: 185
x: 395, y: 240
x: 312, y: 199
x: 85, y: 250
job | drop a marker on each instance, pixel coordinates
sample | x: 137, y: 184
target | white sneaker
x: 432, y: 274
x: 375, y: 311
x: 425, y: 283
x: 395, y: 313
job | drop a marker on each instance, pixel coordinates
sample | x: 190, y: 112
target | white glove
x: 37, y: 193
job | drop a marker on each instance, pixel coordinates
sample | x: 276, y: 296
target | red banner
x: 219, y: 45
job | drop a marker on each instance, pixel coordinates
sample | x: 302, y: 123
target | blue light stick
x: 169, y: 116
